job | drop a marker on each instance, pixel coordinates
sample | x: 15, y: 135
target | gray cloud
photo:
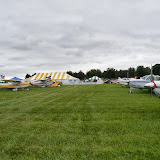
x: 16, y: 58
x: 44, y: 35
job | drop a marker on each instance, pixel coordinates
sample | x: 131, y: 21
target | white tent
x: 94, y: 78
x: 58, y: 76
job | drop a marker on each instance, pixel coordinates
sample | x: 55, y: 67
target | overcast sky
x: 62, y: 35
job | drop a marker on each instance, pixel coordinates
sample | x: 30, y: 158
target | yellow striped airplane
x: 16, y: 84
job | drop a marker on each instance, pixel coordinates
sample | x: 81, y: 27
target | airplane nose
x: 149, y: 85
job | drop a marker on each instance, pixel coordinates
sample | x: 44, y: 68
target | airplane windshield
x: 148, y: 77
x: 144, y: 77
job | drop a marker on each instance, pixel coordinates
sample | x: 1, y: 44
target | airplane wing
x: 12, y: 81
x: 8, y: 80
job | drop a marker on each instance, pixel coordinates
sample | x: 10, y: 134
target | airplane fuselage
x: 15, y: 86
x: 42, y: 83
x: 138, y: 84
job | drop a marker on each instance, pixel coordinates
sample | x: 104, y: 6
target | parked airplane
x: 155, y: 85
x: 124, y: 81
x: 140, y: 83
x: 43, y: 82
x: 15, y: 84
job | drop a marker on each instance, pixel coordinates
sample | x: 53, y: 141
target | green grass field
x: 79, y: 122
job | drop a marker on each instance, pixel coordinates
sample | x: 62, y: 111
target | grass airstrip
x: 79, y: 122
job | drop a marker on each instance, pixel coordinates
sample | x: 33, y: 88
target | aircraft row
x: 16, y: 83
x: 150, y: 82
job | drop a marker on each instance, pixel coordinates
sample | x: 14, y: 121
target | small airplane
x: 155, y: 85
x: 124, y: 81
x: 15, y: 84
x: 43, y: 82
x: 140, y: 83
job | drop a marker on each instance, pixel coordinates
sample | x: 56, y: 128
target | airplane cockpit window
x: 144, y: 77
x: 148, y: 78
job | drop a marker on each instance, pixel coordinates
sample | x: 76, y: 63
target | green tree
x: 70, y: 73
x: 75, y: 74
x: 94, y: 72
x: 123, y: 73
x: 141, y: 71
x: 147, y: 70
x: 98, y: 73
x: 110, y: 73
x: 81, y: 75
x: 156, y: 69
x: 131, y: 72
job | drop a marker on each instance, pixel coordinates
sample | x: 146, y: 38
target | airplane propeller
x: 155, y: 86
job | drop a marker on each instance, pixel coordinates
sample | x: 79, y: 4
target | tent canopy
x: 16, y: 79
x: 95, y: 78
x: 54, y: 76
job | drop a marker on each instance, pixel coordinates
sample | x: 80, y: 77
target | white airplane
x: 43, y: 82
x: 155, y: 85
x: 15, y: 84
x: 140, y: 83
x: 124, y: 81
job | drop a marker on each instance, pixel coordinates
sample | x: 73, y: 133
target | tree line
x: 111, y: 73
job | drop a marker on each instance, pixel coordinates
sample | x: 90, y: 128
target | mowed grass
x: 79, y: 122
